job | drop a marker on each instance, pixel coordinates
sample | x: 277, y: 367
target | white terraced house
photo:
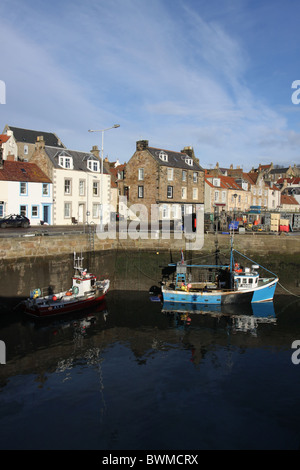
x: 25, y: 190
x: 80, y: 189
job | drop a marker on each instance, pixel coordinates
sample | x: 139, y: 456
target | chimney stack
x: 142, y: 145
x: 95, y: 151
x: 40, y: 143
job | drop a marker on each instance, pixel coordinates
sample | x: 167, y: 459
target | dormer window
x: 217, y: 182
x: 163, y: 156
x: 189, y: 161
x: 65, y: 161
x: 93, y: 165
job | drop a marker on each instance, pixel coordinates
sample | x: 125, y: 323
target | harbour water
x: 135, y: 376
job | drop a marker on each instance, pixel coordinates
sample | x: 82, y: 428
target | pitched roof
x: 279, y: 170
x: 23, y: 171
x: 285, y: 199
x: 174, y: 159
x: 30, y: 136
x: 226, y: 182
x: 79, y: 158
x: 4, y: 138
x: 294, y: 180
x: 114, y: 174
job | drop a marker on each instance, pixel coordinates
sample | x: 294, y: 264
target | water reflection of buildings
x: 133, y: 324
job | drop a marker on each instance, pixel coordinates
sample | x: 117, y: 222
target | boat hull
x: 59, y: 308
x: 260, y: 294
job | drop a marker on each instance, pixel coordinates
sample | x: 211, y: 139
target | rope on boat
x: 254, y: 262
x: 291, y: 293
x: 284, y: 288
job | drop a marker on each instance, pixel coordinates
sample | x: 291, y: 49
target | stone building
x: 168, y: 184
x: 21, y: 143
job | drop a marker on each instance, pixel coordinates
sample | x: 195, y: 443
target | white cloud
x: 168, y: 74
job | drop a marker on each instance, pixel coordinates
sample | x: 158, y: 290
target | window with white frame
x: 163, y: 156
x: 223, y: 196
x: 195, y: 177
x: 93, y: 165
x: 23, y: 189
x: 1, y: 210
x: 216, y: 196
x: 183, y: 193
x: 170, y: 192
x: 68, y: 187
x: 65, y: 161
x: 34, y: 211
x: 46, y: 189
x: 140, y: 192
x: 195, y: 194
x: 170, y: 174
x: 23, y: 211
x: 81, y: 187
x: 184, y: 175
x: 189, y: 161
x: 95, y: 188
x: 67, y: 210
x: 141, y: 174
x: 96, y: 211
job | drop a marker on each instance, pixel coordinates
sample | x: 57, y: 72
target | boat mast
x: 217, y: 249
x: 231, y: 259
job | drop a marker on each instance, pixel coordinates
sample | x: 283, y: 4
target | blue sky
x: 215, y: 75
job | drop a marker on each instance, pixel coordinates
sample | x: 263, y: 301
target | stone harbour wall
x: 42, y: 246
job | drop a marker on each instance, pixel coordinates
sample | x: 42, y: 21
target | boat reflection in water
x: 241, y: 318
x: 81, y: 320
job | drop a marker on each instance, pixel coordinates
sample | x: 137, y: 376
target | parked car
x: 14, y: 221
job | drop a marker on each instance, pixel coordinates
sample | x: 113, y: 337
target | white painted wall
x: 83, y: 207
x: 11, y: 195
x: 10, y: 147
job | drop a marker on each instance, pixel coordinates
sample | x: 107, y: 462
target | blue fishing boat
x: 227, y: 284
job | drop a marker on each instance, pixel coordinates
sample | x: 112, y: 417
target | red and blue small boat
x: 86, y: 292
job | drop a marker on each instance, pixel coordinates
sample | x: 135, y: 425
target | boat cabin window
x: 246, y: 280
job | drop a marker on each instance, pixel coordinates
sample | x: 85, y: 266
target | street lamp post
x: 102, y: 131
x: 235, y: 196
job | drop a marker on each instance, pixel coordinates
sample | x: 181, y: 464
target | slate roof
x: 30, y: 136
x: 175, y: 159
x: 279, y: 170
x: 23, y: 171
x: 79, y: 158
